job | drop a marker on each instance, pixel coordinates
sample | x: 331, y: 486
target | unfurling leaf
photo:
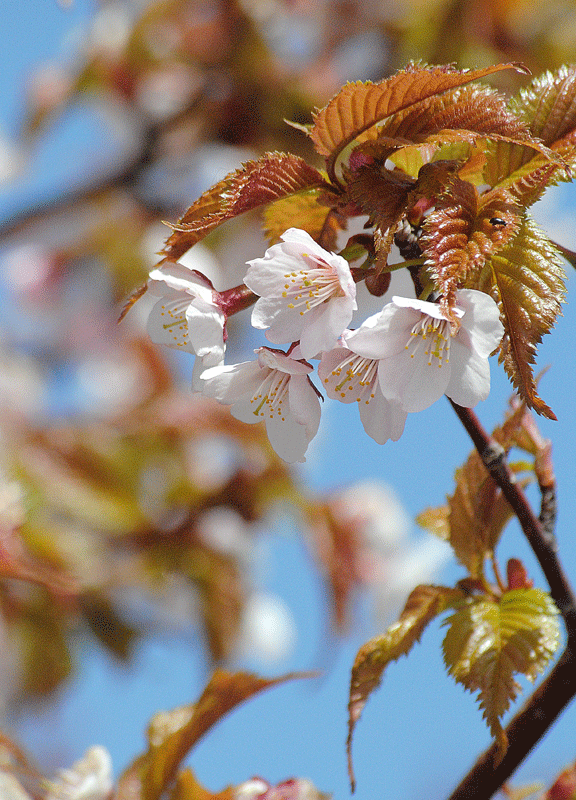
x: 358, y: 106
x: 171, y: 735
x: 527, y: 279
x: 302, y: 211
x: 423, y: 604
x: 547, y: 105
x: 488, y: 642
x: 478, y: 513
x: 255, y: 184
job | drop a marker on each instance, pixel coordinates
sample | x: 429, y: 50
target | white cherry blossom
x: 306, y: 293
x: 349, y: 377
x: 422, y: 356
x: 274, y: 389
x: 90, y: 778
x: 187, y: 317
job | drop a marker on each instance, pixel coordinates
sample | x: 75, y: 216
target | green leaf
x: 527, y: 279
x: 255, y: 184
x: 423, y: 604
x: 488, y: 642
x: 302, y: 211
x: 358, y: 106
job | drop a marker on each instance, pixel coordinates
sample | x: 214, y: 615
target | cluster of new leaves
x: 440, y: 165
x: 494, y: 631
x: 158, y: 774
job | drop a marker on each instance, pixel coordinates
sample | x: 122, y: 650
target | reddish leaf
x: 462, y: 231
x: 255, y: 184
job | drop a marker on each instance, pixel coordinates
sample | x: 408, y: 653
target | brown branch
x: 558, y: 689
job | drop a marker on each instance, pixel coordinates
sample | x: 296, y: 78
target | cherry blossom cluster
x: 400, y: 360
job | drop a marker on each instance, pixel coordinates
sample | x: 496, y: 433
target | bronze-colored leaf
x: 527, y: 279
x: 380, y: 193
x: 474, y: 108
x: 188, y: 788
x: 471, y: 534
x: 462, y: 231
x: 171, y: 735
x: 490, y: 641
x: 423, y: 604
x: 358, y: 106
x: 255, y: 184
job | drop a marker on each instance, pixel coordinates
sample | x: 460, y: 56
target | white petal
x: 382, y: 420
x: 412, y: 382
x: 470, y: 376
x: 481, y: 320
x: 227, y: 383
x: 330, y: 371
x: 167, y: 323
x: 383, y: 334
x: 275, y: 359
x: 288, y: 438
x: 206, y: 330
x: 304, y: 404
x: 177, y: 276
x: 325, y: 325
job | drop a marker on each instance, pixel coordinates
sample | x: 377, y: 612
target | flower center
x: 307, y: 288
x: 176, y: 322
x: 357, y: 375
x: 270, y: 395
x: 432, y: 337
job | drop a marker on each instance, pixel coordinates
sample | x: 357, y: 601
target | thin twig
x: 558, y: 689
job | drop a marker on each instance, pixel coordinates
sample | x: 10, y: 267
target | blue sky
x: 420, y: 732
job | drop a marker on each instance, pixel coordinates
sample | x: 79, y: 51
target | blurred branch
x: 126, y: 176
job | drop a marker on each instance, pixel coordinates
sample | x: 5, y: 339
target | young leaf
x: 358, y: 106
x: 477, y: 515
x: 302, y: 211
x: 380, y: 193
x: 459, y: 234
x: 488, y: 642
x: 256, y: 183
x: 474, y: 108
x: 171, y: 735
x: 423, y: 604
x: 547, y: 104
x: 529, y: 281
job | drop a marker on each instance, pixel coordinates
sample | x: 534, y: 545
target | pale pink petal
x: 206, y: 330
x: 470, y: 377
x: 167, y: 323
x: 413, y: 382
x: 481, y: 319
x: 382, y: 420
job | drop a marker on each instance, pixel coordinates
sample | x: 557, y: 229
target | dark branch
x: 558, y: 689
